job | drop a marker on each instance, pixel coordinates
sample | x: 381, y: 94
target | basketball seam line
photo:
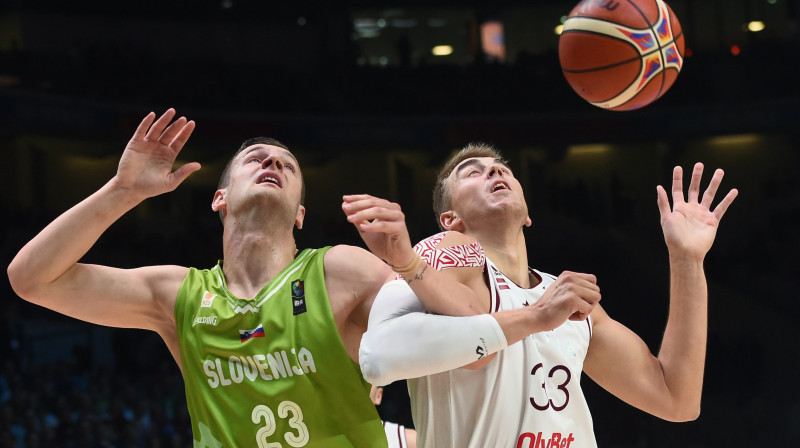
x: 638, y: 58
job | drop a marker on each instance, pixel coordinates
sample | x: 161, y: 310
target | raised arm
x: 382, y: 226
x: 46, y: 271
x: 669, y: 385
x: 403, y: 341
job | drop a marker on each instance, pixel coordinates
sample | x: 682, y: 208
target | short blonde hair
x: 441, y: 195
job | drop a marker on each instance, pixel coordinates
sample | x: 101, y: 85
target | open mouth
x: 268, y: 178
x: 500, y: 186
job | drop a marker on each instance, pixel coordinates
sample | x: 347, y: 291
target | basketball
x: 621, y: 54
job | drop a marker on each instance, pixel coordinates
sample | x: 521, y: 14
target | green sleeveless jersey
x: 271, y: 371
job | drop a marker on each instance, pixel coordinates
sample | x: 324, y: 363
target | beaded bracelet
x: 411, y: 268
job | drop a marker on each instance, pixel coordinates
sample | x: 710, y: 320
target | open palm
x: 691, y: 225
x: 146, y: 164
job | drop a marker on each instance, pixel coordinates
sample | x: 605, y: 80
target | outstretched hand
x: 382, y: 226
x: 690, y: 226
x: 146, y: 164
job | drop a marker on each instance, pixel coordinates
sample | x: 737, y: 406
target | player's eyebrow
x: 466, y: 164
x: 258, y: 147
x: 474, y: 162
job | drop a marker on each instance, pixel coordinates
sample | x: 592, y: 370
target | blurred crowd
x: 66, y: 405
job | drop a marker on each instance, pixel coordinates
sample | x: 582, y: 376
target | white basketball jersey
x: 395, y: 435
x: 529, y: 396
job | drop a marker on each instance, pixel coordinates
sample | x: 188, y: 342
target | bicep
x: 620, y: 362
x: 126, y: 298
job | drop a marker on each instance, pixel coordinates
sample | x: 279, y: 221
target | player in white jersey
x: 542, y: 372
x: 527, y: 395
x: 397, y: 435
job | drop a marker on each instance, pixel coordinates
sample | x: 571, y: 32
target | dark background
x: 354, y: 90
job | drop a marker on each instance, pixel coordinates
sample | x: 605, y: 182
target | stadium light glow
x: 587, y: 149
x: 736, y: 141
x: 756, y: 26
x: 442, y: 50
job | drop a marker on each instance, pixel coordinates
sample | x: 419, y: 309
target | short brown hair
x: 441, y: 195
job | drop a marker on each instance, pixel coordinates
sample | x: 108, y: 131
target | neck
x: 254, y: 256
x: 507, y: 249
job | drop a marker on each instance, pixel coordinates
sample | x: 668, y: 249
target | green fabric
x: 291, y: 385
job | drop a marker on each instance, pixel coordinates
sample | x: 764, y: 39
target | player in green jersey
x: 267, y: 340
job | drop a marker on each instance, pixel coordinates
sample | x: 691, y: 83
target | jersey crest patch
x: 298, y: 297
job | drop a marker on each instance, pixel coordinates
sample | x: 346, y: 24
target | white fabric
x: 395, y: 435
x: 403, y: 342
x: 497, y: 405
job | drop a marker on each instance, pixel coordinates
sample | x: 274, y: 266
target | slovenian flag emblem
x: 257, y: 332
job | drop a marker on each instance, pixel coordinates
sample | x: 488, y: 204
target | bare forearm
x: 443, y: 294
x: 517, y: 324
x: 67, y: 239
x: 683, y: 350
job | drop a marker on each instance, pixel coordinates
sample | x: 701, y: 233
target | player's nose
x: 496, y: 170
x: 272, y: 160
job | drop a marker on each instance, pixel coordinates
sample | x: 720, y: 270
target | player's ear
x: 451, y: 221
x: 376, y: 394
x: 219, y: 203
x: 301, y: 215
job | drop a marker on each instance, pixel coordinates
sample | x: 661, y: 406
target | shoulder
x: 164, y: 279
x: 353, y: 277
x: 445, y: 239
x: 348, y: 257
x: 165, y: 282
x: 451, y: 250
x: 455, y: 239
x: 354, y: 264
